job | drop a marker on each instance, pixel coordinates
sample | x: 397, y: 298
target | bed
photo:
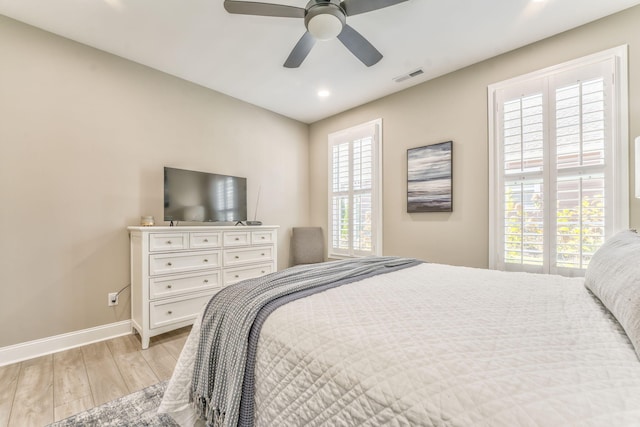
x: 436, y: 345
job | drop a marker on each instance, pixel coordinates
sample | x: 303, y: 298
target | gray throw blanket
x: 226, y: 354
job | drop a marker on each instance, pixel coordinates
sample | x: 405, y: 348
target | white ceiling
x: 242, y: 55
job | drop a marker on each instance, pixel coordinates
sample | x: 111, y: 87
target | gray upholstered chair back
x: 307, y: 245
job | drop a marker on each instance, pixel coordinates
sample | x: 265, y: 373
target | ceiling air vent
x: 408, y: 76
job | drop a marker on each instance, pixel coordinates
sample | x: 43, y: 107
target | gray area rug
x: 136, y: 409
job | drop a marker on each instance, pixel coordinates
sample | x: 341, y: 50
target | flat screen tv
x: 204, y: 197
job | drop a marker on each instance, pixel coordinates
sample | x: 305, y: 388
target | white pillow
x: 613, y: 276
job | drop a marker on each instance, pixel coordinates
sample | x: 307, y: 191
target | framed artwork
x: 429, y: 178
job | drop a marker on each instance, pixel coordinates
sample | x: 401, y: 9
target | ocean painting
x: 429, y: 178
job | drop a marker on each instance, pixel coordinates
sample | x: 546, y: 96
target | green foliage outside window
x: 580, y: 231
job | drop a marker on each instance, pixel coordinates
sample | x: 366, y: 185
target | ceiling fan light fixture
x: 325, y: 26
x: 324, y: 20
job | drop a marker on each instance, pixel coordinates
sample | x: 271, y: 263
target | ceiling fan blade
x: 359, y: 46
x: 355, y: 7
x: 300, y: 51
x: 263, y: 9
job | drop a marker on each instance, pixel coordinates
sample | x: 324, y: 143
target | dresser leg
x: 145, y: 342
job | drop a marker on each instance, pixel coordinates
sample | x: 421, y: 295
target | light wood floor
x: 40, y: 391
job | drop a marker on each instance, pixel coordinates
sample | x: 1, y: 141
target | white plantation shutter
x: 582, y: 109
x: 558, y: 157
x: 580, y: 219
x: 522, y: 136
x: 355, y: 191
x: 523, y: 222
x: 340, y: 205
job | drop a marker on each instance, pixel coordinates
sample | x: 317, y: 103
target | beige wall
x: 454, y: 107
x: 84, y: 136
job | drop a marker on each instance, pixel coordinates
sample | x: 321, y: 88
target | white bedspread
x: 436, y: 345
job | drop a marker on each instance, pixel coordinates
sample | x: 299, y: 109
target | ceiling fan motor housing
x: 324, y: 19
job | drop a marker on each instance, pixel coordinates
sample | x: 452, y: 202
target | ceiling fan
x: 324, y: 20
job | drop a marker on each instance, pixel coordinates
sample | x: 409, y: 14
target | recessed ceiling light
x: 323, y: 93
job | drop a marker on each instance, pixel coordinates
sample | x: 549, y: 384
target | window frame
x: 371, y: 128
x: 617, y: 160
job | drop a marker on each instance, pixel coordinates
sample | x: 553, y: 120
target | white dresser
x: 176, y: 270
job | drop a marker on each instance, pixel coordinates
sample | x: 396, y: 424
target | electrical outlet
x: 113, y: 298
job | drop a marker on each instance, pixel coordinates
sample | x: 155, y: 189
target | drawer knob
x: 237, y: 276
x: 206, y: 240
x: 263, y: 271
x: 206, y: 260
x: 168, y: 286
x: 168, y: 242
x: 169, y: 312
x: 169, y: 264
x: 262, y: 254
x: 206, y: 280
x: 262, y: 237
x: 237, y: 257
x: 237, y: 238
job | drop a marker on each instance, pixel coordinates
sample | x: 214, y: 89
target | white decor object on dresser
x: 176, y: 270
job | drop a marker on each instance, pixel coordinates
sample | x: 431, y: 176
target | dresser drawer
x: 168, y: 241
x: 183, y: 262
x: 262, y: 237
x: 166, y: 312
x: 233, y: 275
x: 205, y: 240
x: 236, y: 238
x: 168, y: 286
x: 233, y: 257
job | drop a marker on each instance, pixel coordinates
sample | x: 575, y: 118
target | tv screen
x: 203, y: 197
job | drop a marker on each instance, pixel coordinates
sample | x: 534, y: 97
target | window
x: 355, y: 195
x: 558, y: 164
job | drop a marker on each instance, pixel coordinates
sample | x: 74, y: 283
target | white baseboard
x: 30, y: 349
